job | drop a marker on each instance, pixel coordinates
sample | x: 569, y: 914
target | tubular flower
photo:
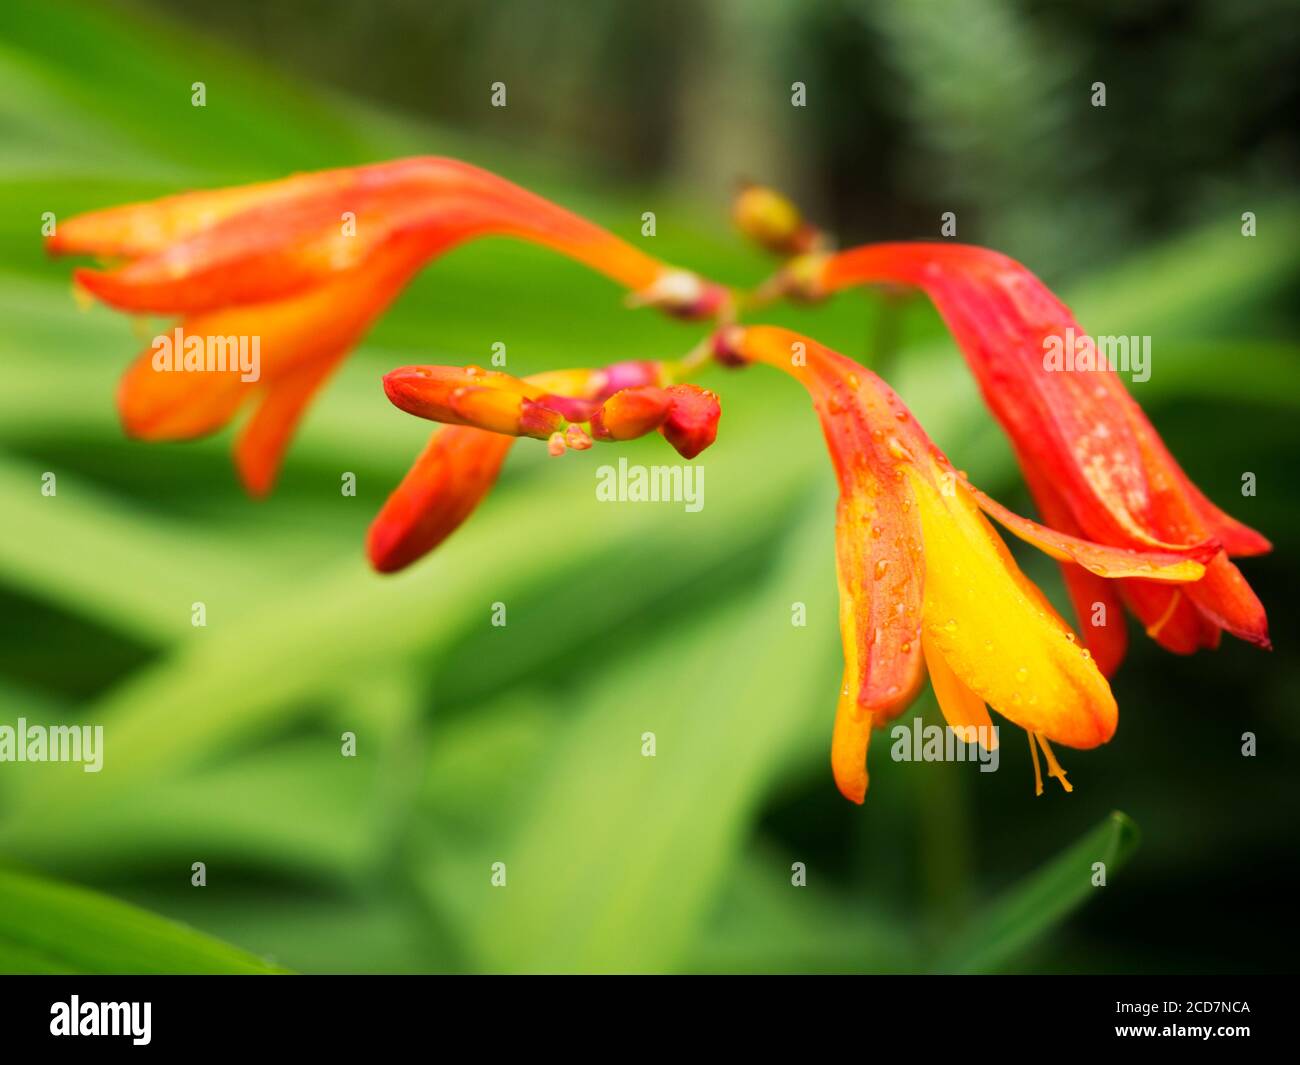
x: 306, y: 265
x: 926, y: 583
x: 1093, y: 462
x: 485, y: 412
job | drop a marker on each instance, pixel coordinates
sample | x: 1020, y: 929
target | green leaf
x: 1043, y: 900
x: 50, y: 927
x: 614, y: 863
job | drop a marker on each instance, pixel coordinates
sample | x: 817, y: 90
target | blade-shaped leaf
x: 1043, y: 900
x: 46, y: 926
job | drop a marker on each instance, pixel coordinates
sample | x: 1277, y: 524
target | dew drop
x: 881, y: 566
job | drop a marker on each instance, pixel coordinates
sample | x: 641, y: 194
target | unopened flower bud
x: 631, y: 413
x: 692, y: 424
x: 773, y: 222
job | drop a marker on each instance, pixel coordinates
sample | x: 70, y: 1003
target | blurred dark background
x: 981, y: 107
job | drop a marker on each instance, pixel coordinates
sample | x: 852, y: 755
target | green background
x: 523, y: 744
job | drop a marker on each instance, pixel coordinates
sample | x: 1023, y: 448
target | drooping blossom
x: 1095, y: 465
x: 926, y: 583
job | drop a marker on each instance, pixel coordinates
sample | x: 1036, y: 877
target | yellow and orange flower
x: 925, y: 582
x: 485, y: 412
x: 307, y: 264
x: 1093, y: 462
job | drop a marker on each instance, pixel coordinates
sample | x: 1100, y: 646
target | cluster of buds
x: 927, y: 587
x: 600, y: 407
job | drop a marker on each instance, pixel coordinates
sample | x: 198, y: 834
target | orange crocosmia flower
x: 925, y: 581
x: 1093, y: 462
x: 306, y: 265
x: 485, y: 412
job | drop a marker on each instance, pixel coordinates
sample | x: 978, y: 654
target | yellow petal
x: 962, y: 708
x: 997, y: 632
x: 849, y: 742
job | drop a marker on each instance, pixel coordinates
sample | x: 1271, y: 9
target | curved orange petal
x: 290, y: 237
x: 1225, y: 598
x: 156, y: 404
x: 877, y: 535
x: 263, y: 441
x: 1177, y: 566
x: 1098, y: 606
x: 138, y: 229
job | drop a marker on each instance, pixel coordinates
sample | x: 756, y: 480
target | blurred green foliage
x: 523, y: 744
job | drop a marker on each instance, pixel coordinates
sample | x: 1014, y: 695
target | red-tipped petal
x: 1224, y: 597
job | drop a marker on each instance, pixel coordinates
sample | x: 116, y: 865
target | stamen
x: 1154, y: 630
x: 1053, y: 766
x: 1038, y: 773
